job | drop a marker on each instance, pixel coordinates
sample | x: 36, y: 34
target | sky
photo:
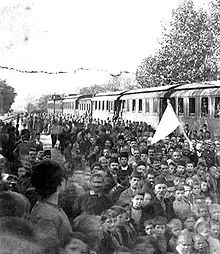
x: 104, y: 36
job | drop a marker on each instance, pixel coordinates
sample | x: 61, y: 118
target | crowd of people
x: 115, y: 191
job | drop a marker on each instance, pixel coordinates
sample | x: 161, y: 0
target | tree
x: 41, y: 103
x: 31, y: 104
x: 94, y: 89
x: 188, y: 49
x: 7, y: 96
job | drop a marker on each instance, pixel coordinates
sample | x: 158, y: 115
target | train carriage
x: 70, y: 105
x: 106, y: 105
x: 198, y: 104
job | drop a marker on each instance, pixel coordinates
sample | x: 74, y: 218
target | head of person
x: 13, y: 204
x: 147, y: 198
x: 144, y: 156
x: 215, y: 228
x: 32, y: 154
x: 203, y: 228
x: 204, y: 186
x: 40, y: 155
x: 214, y: 211
x: 214, y: 172
x: 189, y: 167
x: 104, y: 163
x: 123, y: 159
x: 208, y: 201
x: 97, y: 182
x: 150, y: 178
x: 199, y: 200
x: 156, y: 163
x: 121, y: 215
x: 137, y: 199
x: 96, y: 167
x: 108, y: 219
x: 175, y: 227
x: 164, y: 169
x: 141, y: 167
x: 171, y: 168
x: 179, y: 193
x: 148, y: 227
x: 176, y: 156
x: 184, y: 243
x: 159, y: 225
x: 198, y: 243
x: 187, y: 190
x: 114, y: 165
x: 151, y: 151
x: 196, y: 189
x: 203, y: 211
x: 77, y: 244
x: 47, y: 154
x: 47, y: 178
x: 135, y: 180
x: 189, y: 222
x: 160, y: 188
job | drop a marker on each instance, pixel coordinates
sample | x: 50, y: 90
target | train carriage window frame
x: 192, y: 106
x: 99, y: 105
x: 180, y: 106
x: 103, y: 105
x: 133, y: 105
x: 155, y: 105
x: 140, y: 105
x: 128, y: 105
x: 217, y: 107
x: 147, y: 106
x: 204, y: 107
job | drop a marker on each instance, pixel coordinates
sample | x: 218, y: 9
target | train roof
x: 211, y: 88
x: 108, y: 95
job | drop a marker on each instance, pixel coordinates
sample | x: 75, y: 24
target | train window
x: 204, y: 107
x: 103, y: 105
x: 140, y: 105
x: 180, y: 107
x: 96, y: 104
x: 155, y: 105
x: 133, y: 105
x: 192, y: 106
x: 147, y: 105
x: 128, y: 105
x: 99, y: 105
x: 111, y: 108
x: 217, y: 107
x: 123, y: 104
x: 106, y: 105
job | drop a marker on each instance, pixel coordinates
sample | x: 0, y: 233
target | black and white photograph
x: 109, y: 127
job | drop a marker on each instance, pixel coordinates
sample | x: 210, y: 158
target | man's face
x: 176, y: 231
x: 21, y: 172
x: 180, y: 169
x: 32, y: 156
x: 143, y: 157
x: 109, y: 224
x: 97, y: 183
x: 124, y: 161
x: 76, y: 246
x: 160, y: 230
x: 189, y: 167
x: 151, y: 153
x: 137, y: 201
x: 114, y: 166
x: 179, y: 195
x: 141, y: 169
x: 150, y: 179
x: 93, y: 141
x: 136, y: 154
x: 176, y: 156
x: 215, y: 231
x: 185, y: 246
x: 40, y: 155
x: 148, y: 229
x: 160, y: 190
x: 156, y: 165
x: 164, y: 169
x: 196, y: 189
x: 204, y: 212
x: 104, y: 163
x: 133, y: 144
x: 134, y: 182
x: 189, y: 223
x: 187, y: 192
x: 215, y: 215
x: 199, y: 244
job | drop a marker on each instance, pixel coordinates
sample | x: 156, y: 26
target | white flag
x: 168, y: 123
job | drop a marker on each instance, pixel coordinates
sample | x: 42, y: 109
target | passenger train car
x: 195, y: 104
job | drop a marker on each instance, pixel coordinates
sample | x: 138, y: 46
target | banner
x: 168, y: 123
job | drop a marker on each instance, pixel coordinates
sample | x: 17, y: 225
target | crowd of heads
x: 119, y: 192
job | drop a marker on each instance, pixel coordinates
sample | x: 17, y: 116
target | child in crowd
x: 184, y: 244
x: 204, y: 188
x: 175, y: 228
x: 159, y: 233
x: 187, y: 192
x: 109, y: 243
x: 204, y: 229
x: 180, y: 205
x: 189, y: 224
x: 215, y: 229
x: 199, y: 245
x: 189, y: 169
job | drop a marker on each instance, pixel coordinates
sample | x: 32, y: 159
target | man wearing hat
x: 125, y: 170
x: 111, y: 178
x: 134, y: 181
x: 161, y: 206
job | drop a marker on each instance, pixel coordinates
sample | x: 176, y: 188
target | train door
x: 163, y: 105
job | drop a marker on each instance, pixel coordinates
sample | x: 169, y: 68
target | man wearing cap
x: 125, y: 170
x: 111, y: 178
x: 160, y: 205
x: 126, y: 195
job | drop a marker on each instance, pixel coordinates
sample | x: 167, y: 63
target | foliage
x: 31, y: 104
x: 7, y: 96
x: 188, y: 49
x: 42, y: 102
